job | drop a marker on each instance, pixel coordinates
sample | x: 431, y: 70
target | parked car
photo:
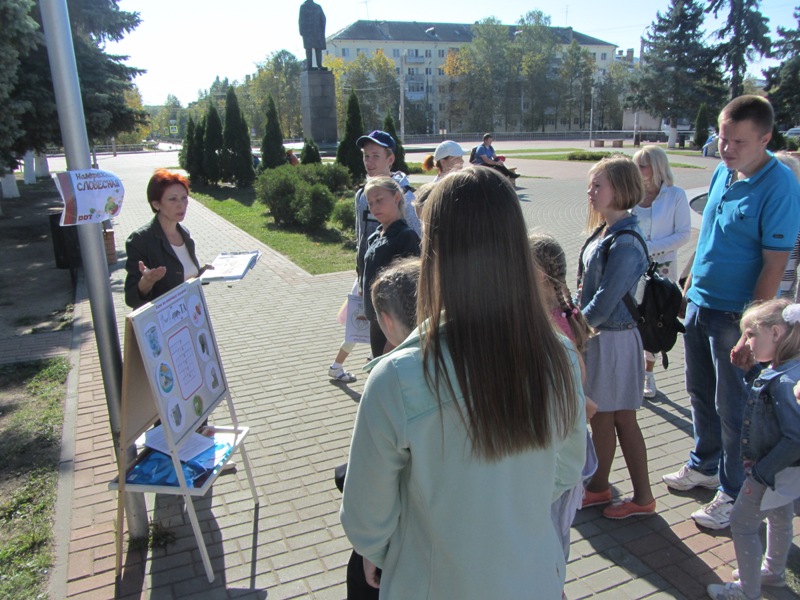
x: 794, y: 132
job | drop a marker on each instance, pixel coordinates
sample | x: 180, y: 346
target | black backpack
x: 657, y: 314
x: 472, y: 155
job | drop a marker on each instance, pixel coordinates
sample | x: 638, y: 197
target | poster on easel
x: 180, y: 358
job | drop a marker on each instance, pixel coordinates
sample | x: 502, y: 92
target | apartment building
x: 419, y: 51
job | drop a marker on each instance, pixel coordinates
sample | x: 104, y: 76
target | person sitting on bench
x: 485, y: 155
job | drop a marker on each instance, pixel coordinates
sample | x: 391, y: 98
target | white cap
x: 447, y: 148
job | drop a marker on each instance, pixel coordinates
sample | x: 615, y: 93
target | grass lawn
x: 327, y: 251
x: 31, y: 415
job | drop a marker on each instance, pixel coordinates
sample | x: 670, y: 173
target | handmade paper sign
x: 89, y: 196
x: 357, y: 325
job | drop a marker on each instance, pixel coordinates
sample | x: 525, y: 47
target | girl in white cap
x: 448, y: 157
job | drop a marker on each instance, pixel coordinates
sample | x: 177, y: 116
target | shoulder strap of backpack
x: 630, y: 303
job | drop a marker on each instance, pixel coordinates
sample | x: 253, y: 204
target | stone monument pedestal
x: 318, y: 103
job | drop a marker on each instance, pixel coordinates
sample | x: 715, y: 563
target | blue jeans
x: 718, y: 394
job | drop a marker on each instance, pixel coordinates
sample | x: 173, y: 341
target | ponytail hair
x: 428, y: 163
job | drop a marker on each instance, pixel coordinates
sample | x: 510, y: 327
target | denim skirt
x: 615, y: 370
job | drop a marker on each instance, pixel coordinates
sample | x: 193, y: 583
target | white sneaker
x: 686, y: 479
x: 716, y: 514
x: 649, y: 384
x: 767, y: 577
x: 341, y: 375
x: 727, y: 591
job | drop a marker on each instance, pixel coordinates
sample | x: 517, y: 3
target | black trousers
x: 502, y: 168
x: 377, y: 340
x: 357, y: 586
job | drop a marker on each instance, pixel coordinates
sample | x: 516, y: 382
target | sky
x: 185, y: 44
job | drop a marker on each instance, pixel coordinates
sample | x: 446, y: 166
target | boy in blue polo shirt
x: 749, y: 226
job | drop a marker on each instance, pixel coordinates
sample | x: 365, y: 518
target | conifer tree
x: 212, y: 146
x: 194, y: 165
x: 236, y: 160
x: 701, y: 126
x: 348, y: 154
x: 185, y: 157
x: 679, y: 72
x: 400, y: 154
x: 273, y: 154
x: 310, y: 153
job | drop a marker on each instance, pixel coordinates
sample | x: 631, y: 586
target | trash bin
x: 681, y: 141
x: 66, y: 245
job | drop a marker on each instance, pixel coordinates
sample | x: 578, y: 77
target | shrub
x: 344, y: 214
x: 277, y: 188
x: 310, y: 153
x: 273, y: 154
x: 792, y: 144
x: 312, y: 205
x: 348, y: 154
x: 778, y: 141
x: 701, y: 126
x: 333, y: 176
x: 590, y: 156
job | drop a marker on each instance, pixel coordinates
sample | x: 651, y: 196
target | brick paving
x: 277, y: 333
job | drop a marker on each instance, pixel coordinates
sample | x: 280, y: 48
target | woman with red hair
x: 161, y: 254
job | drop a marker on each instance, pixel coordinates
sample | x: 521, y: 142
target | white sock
x: 336, y: 365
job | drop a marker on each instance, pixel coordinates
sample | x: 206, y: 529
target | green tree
x: 278, y: 76
x: 348, y: 154
x: 273, y: 154
x: 194, y: 164
x: 400, y: 154
x: 18, y: 40
x: 212, y: 146
x: 783, y: 81
x: 29, y: 117
x: 186, y: 155
x: 537, y: 49
x: 701, y: 126
x: 611, y: 93
x: 679, y: 72
x: 171, y: 114
x: 575, y: 83
x: 744, y: 35
x: 142, y: 130
x: 310, y: 153
x: 237, y: 155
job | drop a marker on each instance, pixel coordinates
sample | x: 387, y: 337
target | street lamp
x: 431, y: 31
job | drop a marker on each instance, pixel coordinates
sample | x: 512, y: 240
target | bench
x: 616, y: 144
x: 599, y: 143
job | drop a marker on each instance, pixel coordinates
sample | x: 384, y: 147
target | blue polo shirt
x: 741, y: 219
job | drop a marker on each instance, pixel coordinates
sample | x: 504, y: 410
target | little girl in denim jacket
x: 770, y: 450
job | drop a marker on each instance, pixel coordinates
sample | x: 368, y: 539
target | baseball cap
x: 378, y: 137
x: 447, y: 148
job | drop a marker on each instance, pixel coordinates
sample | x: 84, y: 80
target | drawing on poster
x: 198, y: 405
x: 175, y: 415
x: 185, y: 360
x: 212, y: 376
x: 203, y: 346
x: 196, y: 311
x: 165, y: 378
x: 153, y: 340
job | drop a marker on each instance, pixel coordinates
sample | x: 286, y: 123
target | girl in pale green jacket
x: 469, y: 430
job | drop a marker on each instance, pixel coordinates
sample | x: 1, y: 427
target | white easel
x: 172, y: 371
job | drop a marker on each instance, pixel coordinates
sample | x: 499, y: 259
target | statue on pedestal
x: 312, y: 28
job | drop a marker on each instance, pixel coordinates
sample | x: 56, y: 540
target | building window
x: 594, y: 56
x: 442, y: 89
x: 603, y: 56
x: 413, y: 70
x: 441, y: 71
x: 576, y: 121
x: 550, y: 121
x: 397, y: 70
x: 416, y: 86
x: 563, y: 120
x: 395, y: 52
x: 345, y: 52
x: 428, y: 53
x: 441, y: 53
x: 428, y: 71
x: 413, y: 52
x: 442, y: 106
x: 526, y: 105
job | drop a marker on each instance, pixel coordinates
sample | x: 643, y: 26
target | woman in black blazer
x: 161, y: 254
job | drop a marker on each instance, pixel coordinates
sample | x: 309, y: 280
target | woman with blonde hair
x: 612, y: 261
x: 666, y: 225
x: 472, y: 427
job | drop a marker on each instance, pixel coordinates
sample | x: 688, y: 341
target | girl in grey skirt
x: 611, y: 266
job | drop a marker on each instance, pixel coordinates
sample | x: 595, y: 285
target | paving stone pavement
x: 277, y: 333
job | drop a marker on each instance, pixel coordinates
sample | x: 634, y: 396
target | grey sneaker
x: 649, y: 385
x: 686, y: 479
x: 767, y: 577
x: 727, y: 591
x: 341, y: 375
x: 716, y: 514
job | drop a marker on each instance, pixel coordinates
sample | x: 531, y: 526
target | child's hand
x: 797, y: 391
x: 591, y: 408
x: 748, y: 467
